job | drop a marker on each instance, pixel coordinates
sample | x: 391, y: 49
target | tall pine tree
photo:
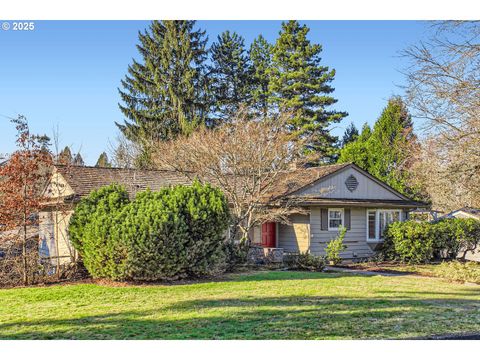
x: 164, y: 94
x: 229, y: 75
x: 301, y: 85
x: 260, y: 54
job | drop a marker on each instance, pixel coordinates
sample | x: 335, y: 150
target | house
x: 333, y: 196
x: 327, y: 197
x: 464, y: 213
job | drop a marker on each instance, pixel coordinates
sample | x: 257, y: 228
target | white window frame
x: 377, y: 222
x: 342, y: 218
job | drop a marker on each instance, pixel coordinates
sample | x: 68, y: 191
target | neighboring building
x: 327, y: 197
x: 464, y: 213
x: 69, y: 184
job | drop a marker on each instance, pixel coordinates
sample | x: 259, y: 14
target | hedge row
x: 174, y: 233
x: 421, y: 242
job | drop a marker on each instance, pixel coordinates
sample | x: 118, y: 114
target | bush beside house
x: 421, y: 242
x: 174, y: 233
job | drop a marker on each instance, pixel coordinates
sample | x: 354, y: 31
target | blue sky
x: 65, y: 74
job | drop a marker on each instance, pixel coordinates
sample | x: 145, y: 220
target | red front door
x: 269, y: 234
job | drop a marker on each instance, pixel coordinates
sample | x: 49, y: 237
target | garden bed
x: 450, y: 270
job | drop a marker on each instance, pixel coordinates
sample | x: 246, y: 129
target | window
x: 335, y: 219
x: 378, y: 220
x: 371, y: 225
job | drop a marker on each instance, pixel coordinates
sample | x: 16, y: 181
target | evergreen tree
x: 301, y: 85
x: 78, y: 160
x: 351, y: 134
x: 164, y: 94
x: 384, y: 151
x: 389, y: 141
x: 260, y: 54
x: 103, y: 161
x: 357, y: 151
x: 229, y: 73
x: 65, y: 157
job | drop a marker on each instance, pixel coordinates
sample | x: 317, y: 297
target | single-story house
x: 328, y: 196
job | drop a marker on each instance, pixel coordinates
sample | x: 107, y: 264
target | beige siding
x: 294, y: 237
x: 58, y: 187
x: 53, y: 233
x: 334, y: 187
x: 355, y: 239
x: 257, y: 235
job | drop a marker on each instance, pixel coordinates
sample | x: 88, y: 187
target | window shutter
x: 347, y: 218
x: 324, y: 220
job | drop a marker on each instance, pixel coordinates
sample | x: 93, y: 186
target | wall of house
x: 355, y: 238
x: 334, y: 187
x: 296, y: 236
x: 53, y: 227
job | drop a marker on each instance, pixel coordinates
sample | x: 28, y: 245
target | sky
x: 65, y: 75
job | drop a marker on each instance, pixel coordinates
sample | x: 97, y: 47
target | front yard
x: 263, y: 305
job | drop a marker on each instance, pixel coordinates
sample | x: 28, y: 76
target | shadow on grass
x: 289, y: 317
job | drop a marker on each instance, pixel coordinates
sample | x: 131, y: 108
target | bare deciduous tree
x: 444, y: 91
x: 246, y: 159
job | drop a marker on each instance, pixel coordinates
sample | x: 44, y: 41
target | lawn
x: 451, y: 270
x: 263, y: 305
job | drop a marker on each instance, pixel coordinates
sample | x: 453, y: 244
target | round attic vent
x: 351, y: 183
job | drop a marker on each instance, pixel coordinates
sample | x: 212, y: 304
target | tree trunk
x: 24, y: 250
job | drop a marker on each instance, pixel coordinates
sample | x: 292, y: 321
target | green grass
x: 451, y: 270
x: 264, y: 305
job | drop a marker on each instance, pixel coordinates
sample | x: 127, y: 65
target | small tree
x: 336, y: 246
x: 22, y: 180
x: 245, y: 158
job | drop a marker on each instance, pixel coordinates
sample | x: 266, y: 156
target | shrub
x: 109, y: 199
x: 236, y: 254
x: 468, y: 236
x: 421, y: 242
x: 336, y: 246
x: 174, y: 233
x: 409, y: 241
x: 304, y: 261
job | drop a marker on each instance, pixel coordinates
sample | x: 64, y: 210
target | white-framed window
x: 378, y: 220
x: 335, y: 219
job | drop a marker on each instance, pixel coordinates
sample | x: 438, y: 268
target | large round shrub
x: 106, y: 200
x: 409, y: 241
x: 90, y: 226
x: 174, y: 233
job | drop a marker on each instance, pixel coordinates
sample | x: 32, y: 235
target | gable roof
x: 84, y: 179
x: 469, y: 211
x: 294, y: 180
x: 297, y: 180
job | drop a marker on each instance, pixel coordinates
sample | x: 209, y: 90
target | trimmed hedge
x: 421, y: 242
x: 174, y: 233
